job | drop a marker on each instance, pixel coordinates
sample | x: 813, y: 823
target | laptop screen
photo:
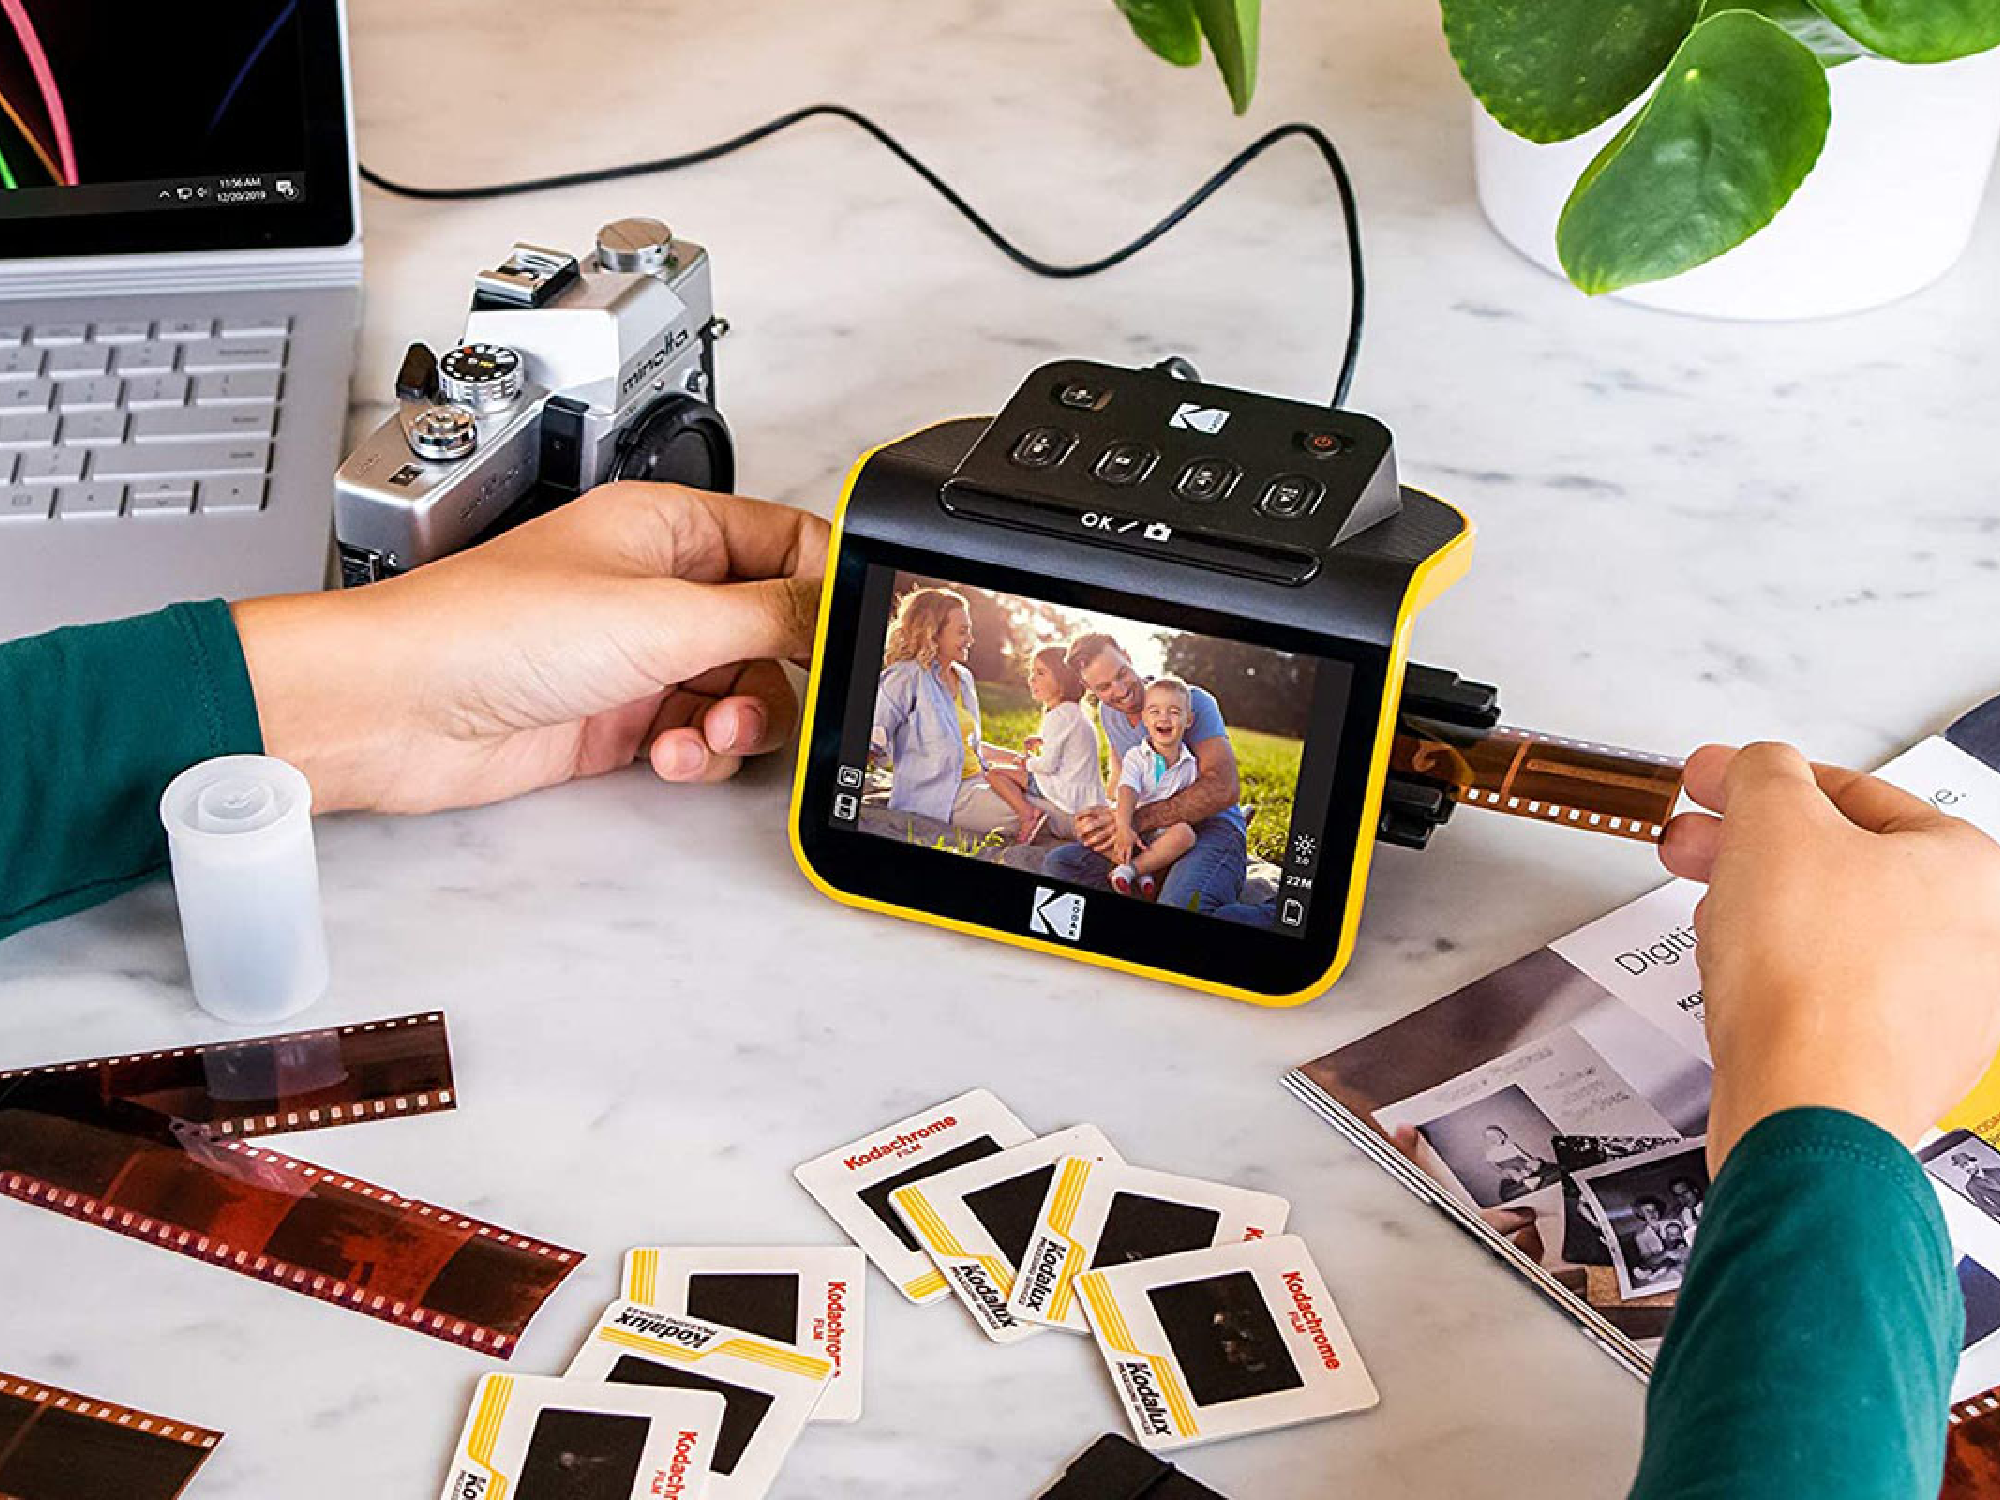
x: 128, y: 126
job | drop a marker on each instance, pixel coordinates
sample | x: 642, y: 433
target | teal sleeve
x: 1813, y: 1342
x: 95, y: 720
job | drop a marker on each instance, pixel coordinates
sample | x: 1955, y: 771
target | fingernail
x: 684, y: 757
x: 750, y: 722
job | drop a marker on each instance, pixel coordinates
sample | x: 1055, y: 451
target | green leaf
x: 1169, y: 27
x: 1829, y: 43
x: 1231, y: 28
x: 1733, y: 129
x: 1552, y: 69
x: 1918, y: 31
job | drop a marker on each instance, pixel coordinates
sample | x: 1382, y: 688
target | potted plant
x: 1646, y: 148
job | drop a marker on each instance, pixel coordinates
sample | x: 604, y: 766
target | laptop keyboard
x: 167, y: 418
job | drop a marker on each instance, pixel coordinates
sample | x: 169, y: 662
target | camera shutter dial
x: 635, y: 245
x: 484, y: 377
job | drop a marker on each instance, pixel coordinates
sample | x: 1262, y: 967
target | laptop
x: 180, y: 281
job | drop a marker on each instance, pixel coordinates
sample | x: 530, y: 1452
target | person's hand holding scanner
x: 639, y: 620
x: 1849, y: 943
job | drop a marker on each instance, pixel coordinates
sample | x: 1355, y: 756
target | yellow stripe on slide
x: 1069, y: 1192
x: 776, y: 1358
x: 929, y: 1226
x: 1111, y: 1327
x: 927, y: 1285
x: 650, y: 1346
x: 645, y: 1276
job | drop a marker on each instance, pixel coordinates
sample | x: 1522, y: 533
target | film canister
x: 239, y: 833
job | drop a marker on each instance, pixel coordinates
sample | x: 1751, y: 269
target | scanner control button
x: 1042, y: 448
x: 1319, y: 443
x: 1125, y: 463
x: 1291, y: 496
x: 1082, y: 395
x: 1207, y: 480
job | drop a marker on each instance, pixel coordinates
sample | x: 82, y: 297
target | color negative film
x: 539, y: 1438
x: 1109, y: 1213
x: 853, y: 1182
x: 768, y: 1389
x: 1972, y: 1450
x: 813, y: 1297
x: 975, y: 1221
x: 1216, y: 1343
x: 1628, y: 793
x: 304, y: 1080
x: 71, y: 1141
x: 55, y: 1442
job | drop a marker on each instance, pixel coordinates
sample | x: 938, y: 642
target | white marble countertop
x: 1689, y: 530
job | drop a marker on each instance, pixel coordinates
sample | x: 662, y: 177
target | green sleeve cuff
x: 1814, y: 1338
x: 94, y: 722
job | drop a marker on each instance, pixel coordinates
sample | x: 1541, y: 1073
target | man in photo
x: 1209, y: 876
x: 1686, y: 1203
x: 1519, y: 1170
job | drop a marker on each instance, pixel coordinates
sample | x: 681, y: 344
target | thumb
x: 701, y: 626
x: 1873, y: 804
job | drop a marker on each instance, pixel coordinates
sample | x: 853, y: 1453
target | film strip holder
x: 1451, y: 748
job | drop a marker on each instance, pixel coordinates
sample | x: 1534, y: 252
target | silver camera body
x: 572, y: 372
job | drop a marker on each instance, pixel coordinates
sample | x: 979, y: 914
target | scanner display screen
x: 980, y: 714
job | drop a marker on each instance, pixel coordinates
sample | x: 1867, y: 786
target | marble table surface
x: 1688, y: 530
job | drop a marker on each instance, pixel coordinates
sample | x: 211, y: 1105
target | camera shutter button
x: 442, y: 433
x: 635, y: 245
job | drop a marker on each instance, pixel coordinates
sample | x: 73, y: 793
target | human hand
x: 1124, y: 843
x: 1032, y: 745
x: 1097, y: 830
x: 1848, y: 942
x: 639, y: 619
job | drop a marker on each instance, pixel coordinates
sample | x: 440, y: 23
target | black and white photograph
x: 1500, y: 1147
x: 1650, y: 1207
x: 1969, y: 1167
x: 1138, y: 1228
x: 1584, y: 1242
x: 1225, y: 1339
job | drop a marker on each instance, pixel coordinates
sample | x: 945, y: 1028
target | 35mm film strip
x: 148, y: 1146
x: 56, y: 1442
x: 1627, y: 793
x: 1972, y: 1450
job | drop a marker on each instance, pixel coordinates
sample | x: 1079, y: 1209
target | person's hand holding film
x: 1849, y: 942
x: 639, y: 620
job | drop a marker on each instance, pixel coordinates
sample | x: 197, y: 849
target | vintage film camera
x: 572, y: 372
x: 1260, y: 550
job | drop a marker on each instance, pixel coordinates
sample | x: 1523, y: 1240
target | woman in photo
x: 1059, y: 766
x: 927, y: 716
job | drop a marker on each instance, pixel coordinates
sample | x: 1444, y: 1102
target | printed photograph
x: 1139, y: 1228
x: 1650, y: 1208
x: 1500, y: 1148
x: 1969, y: 1167
x: 1225, y: 1339
x: 1095, y: 749
x: 1583, y: 1240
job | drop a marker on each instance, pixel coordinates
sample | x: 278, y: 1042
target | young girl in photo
x: 1059, y: 767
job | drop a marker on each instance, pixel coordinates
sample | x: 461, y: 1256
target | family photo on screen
x: 1156, y: 763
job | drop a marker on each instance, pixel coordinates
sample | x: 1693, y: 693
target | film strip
x: 1602, y: 788
x: 1972, y: 1449
x: 56, y: 1442
x: 303, y: 1080
x: 89, y: 1140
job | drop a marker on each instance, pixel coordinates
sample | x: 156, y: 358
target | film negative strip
x: 303, y: 1080
x: 56, y: 1442
x: 72, y: 1141
x: 1627, y: 793
x: 1972, y: 1449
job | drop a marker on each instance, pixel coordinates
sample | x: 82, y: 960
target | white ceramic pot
x: 1888, y: 209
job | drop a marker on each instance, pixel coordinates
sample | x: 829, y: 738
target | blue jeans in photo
x: 1208, y: 878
